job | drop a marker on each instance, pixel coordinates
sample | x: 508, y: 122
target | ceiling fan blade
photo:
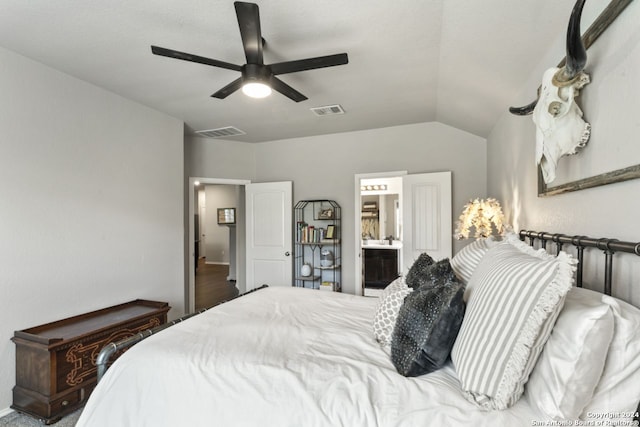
x: 169, y: 53
x: 228, y: 89
x: 309, y: 64
x: 286, y: 90
x: 249, y: 23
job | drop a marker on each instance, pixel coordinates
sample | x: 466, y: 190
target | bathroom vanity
x: 381, y: 265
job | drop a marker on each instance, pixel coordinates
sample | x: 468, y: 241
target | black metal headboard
x: 608, y: 246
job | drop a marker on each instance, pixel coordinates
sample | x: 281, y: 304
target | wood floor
x: 212, y: 286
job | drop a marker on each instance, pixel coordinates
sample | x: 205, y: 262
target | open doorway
x: 378, y: 225
x: 424, y: 220
x: 217, y: 251
x: 215, y: 234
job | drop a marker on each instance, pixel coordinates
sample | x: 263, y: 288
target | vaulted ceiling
x: 458, y: 62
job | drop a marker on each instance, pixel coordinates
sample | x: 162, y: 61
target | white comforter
x: 280, y: 357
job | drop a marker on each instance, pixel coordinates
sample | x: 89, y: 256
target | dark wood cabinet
x: 55, y: 362
x: 380, y: 267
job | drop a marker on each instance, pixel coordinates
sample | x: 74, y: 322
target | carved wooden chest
x: 55, y: 363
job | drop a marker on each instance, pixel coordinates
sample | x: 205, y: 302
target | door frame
x: 190, y: 296
x: 357, y: 222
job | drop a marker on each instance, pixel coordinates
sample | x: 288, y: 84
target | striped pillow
x: 467, y: 259
x: 516, y: 295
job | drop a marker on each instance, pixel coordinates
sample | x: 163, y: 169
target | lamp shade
x: 483, y: 215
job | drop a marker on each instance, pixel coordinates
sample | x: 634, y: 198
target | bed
x: 285, y: 356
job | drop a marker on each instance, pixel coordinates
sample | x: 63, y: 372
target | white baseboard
x: 5, y: 412
x: 216, y: 263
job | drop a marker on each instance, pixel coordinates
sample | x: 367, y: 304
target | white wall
x: 323, y: 167
x: 612, y: 105
x: 91, y: 199
x: 215, y: 158
x: 217, y: 236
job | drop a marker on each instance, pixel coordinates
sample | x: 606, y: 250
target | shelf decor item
x: 325, y: 214
x: 305, y: 270
x: 331, y: 232
x: 326, y: 258
x: 317, y: 253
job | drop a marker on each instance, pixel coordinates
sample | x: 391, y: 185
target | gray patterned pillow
x: 426, y: 328
x: 387, y: 310
x: 438, y: 274
x: 419, y: 269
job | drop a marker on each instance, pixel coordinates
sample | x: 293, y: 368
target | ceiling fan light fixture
x: 256, y: 89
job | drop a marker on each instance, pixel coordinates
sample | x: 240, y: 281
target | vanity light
x: 377, y: 187
x: 196, y: 183
x: 256, y: 90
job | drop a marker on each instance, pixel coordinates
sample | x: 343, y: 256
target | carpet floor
x: 16, y: 419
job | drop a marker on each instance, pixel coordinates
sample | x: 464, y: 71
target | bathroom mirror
x: 380, y: 216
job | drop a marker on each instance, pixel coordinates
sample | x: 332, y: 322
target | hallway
x: 212, y: 286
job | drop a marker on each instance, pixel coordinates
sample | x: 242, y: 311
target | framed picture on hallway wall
x: 226, y: 216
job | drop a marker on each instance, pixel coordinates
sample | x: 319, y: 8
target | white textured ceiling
x: 459, y: 62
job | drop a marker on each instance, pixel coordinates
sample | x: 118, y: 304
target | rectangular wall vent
x: 221, y: 132
x: 327, y: 110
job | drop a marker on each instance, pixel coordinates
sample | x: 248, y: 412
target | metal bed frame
x: 608, y: 246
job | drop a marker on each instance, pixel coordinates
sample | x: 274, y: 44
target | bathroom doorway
x: 425, y: 226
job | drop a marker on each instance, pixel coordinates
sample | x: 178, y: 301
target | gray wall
x: 325, y: 166
x: 612, y: 106
x: 90, y: 202
x: 217, y: 236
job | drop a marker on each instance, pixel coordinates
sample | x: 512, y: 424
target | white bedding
x: 280, y: 357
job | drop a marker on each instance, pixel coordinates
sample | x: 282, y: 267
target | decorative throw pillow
x: 438, y: 274
x: 392, y: 287
x: 387, y: 310
x: 418, y: 270
x: 427, y: 326
x: 467, y: 259
x: 516, y: 295
x: 570, y: 366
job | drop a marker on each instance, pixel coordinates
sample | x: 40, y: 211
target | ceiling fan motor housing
x: 256, y: 73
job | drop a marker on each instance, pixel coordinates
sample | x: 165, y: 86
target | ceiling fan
x: 257, y: 78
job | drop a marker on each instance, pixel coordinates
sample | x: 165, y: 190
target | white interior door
x: 426, y: 217
x: 269, y: 234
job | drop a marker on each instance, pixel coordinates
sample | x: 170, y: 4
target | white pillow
x: 387, y: 310
x: 467, y: 259
x: 618, y: 391
x: 570, y: 366
x: 516, y: 295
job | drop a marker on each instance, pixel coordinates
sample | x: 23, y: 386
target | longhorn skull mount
x: 560, y: 129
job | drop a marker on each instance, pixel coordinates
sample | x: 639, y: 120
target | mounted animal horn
x: 576, y: 53
x: 575, y: 61
x: 560, y: 129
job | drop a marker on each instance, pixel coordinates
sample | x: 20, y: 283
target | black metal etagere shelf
x: 318, y: 254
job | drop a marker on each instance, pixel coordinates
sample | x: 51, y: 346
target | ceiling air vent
x: 221, y: 132
x: 327, y: 110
